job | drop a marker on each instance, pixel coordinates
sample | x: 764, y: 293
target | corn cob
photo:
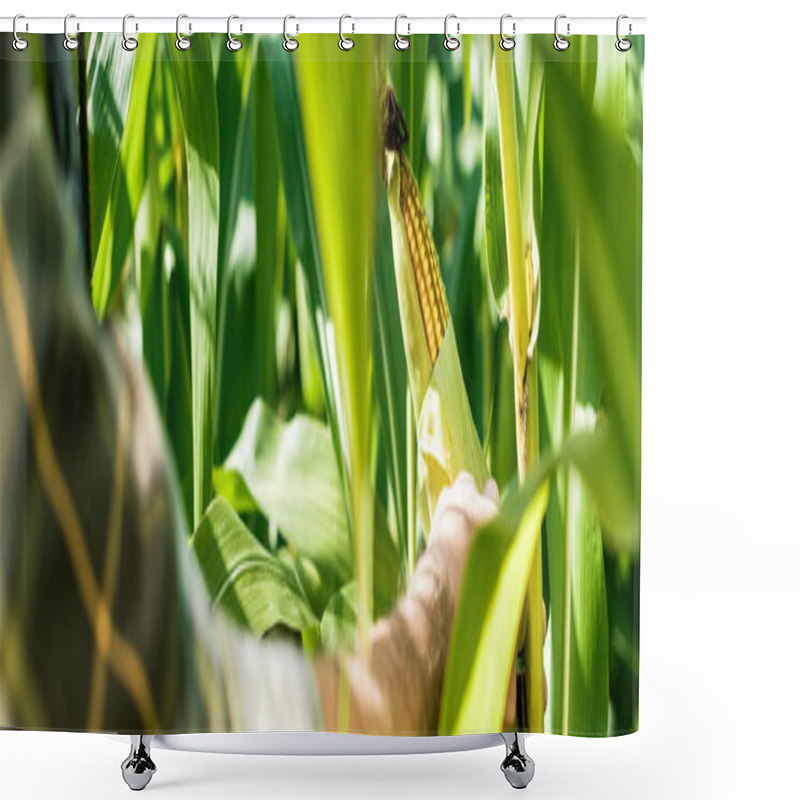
x: 447, y: 439
x: 427, y: 275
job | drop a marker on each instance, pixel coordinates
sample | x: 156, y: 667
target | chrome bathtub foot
x: 517, y: 766
x: 138, y: 768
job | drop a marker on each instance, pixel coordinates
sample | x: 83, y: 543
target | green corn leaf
x: 587, y: 710
x: 238, y: 376
x: 339, y: 101
x: 178, y: 418
x: 108, y: 90
x: 483, y: 642
x: 302, y: 222
x: 116, y: 219
x: 288, y: 472
x: 588, y: 361
x: 494, y: 206
x: 259, y: 590
x: 193, y: 73
x: 409, y: 81
x: 391, y: 382
x: 593, y: 167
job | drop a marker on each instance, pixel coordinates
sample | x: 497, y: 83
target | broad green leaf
x: 339, y: 101
x: 196, y: 88
x: 288, y: 472
x: 483, y: 641
x: 259, y: 590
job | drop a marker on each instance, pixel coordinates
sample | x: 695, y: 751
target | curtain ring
x: 560, y: 43
x: 19, y: 43
x: 400, y: 42
x: 129, y: 43
x: 345, y: 42
x: 289, y: 43
x: 234, y: 44
x: 506, y: 42
x: 181, y: 42
x: 451, y: 42
x: 70, y: 42
x: 622, y: 44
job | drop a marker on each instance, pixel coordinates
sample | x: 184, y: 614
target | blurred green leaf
x: 108, y: 90
x: 391, y: 381
x: 193, y: 73
x: 338, y: 626
x: 288, y: 472
x: 494, y: 208
x: 301, y: 219
x: 256, y: 588
x: 483, y: 642
x: 339, y: 101
x: 125, y: 177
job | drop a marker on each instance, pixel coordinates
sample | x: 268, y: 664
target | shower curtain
x: 321, y: 384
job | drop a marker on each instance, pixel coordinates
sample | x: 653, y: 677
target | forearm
x: 397, y: 688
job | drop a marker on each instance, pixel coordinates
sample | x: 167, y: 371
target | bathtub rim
x: 319, y: 743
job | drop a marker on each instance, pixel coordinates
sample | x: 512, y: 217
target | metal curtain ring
x: 289, y: 44
x: 622, y: 44
x: 181, y: 42
x: 234, y: 44
x: 450, y: 42
x: 70, y: 42
x: 129, y: 43
x: 19, y: 43
x: 345, y: 42
x: 400, y: 42
x: 506, y: 42
x: 560, y: 43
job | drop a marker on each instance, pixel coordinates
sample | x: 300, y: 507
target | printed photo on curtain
x: 321, y: 384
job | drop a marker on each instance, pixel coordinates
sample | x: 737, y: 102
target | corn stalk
x: 522, y: 309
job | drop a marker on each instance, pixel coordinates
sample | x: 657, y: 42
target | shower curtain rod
x: 405, y: 25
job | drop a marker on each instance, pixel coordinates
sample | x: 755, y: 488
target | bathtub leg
x: 518, y: 766
x: 138, y: 768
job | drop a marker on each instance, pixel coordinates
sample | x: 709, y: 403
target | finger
x: 465, y: 497
x: 491, y: 492
x: 465, y: 480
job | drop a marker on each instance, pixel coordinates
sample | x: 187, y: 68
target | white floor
x: 718, y: 719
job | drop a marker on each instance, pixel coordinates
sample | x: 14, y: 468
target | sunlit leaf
x: 259, y: 590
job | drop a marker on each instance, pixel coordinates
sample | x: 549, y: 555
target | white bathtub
x: 138, y: 768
